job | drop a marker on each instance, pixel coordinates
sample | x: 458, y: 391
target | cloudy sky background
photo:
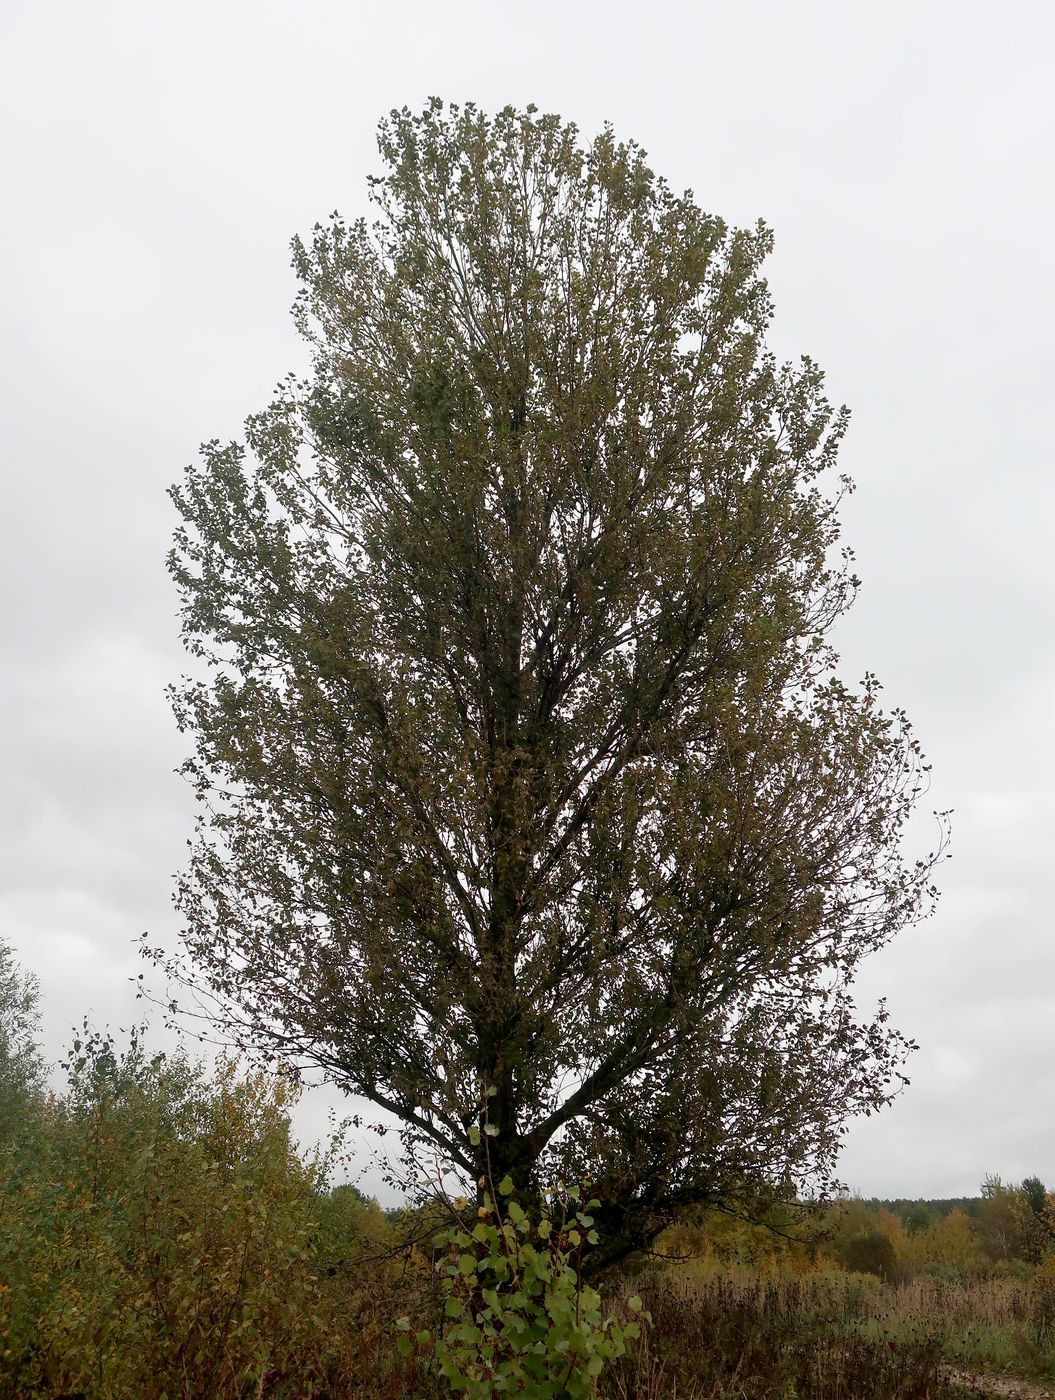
x: 156, y: 161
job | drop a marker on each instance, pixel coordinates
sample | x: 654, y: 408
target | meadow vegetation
x: 162, y: 1237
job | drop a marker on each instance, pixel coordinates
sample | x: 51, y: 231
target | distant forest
x: 1008, y: 1230
x: 915, y: 1210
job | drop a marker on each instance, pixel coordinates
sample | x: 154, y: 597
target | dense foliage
x: 525, y: 765
x: 518, y: 1318
x: 161, y: 1238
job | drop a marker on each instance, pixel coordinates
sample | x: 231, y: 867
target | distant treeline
x: 908, y: 1210
x: 1007, y: 1230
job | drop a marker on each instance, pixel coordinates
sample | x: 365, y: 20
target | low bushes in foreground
x: 161, y: 1239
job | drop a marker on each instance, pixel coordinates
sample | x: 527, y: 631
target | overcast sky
x: 158, y: 158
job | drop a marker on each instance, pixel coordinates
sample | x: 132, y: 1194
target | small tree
x: 21, y: 1065
x: 917, y: 1217
x: 1035, y: 1194
x: 1007, y: 1226
x: 525, y: 765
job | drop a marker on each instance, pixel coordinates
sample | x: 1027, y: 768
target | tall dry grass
x: 756, y: 1330
x: 726, y: 1337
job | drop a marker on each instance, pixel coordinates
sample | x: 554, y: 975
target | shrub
x: 162, y: 1237
x: 518, y: 1320
x: 872, y: 1253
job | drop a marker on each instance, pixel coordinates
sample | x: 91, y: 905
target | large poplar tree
x: 532, y: 800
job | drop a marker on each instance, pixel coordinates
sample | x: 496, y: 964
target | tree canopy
x: 535, y: 811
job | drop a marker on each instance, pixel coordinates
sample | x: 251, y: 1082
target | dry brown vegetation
x: 163, y: 1240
